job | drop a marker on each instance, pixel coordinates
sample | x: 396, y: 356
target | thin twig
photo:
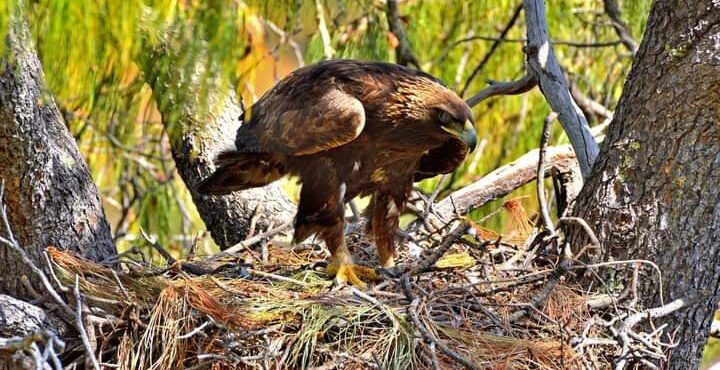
x: 621, y: 28
x: 447, y: 242
x: 271, y: 276
x: 328, y: 50
x: 403, y: 53
x: 508, y: 26
x: 250, y: 241
x: 81, y: 326
x: 525, y: 84
x: 412, y: 313
x: 544, y: 139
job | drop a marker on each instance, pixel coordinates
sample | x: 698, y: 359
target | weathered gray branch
x: 525, y: 84
x: 544, y: 65
x: 504, y: 180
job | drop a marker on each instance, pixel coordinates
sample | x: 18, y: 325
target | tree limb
x: 403, y: 53
x: 198, y: 131
x: 504, y: 180
x: 621, y: 28
x: 542, y: 62
x: 496, y: 43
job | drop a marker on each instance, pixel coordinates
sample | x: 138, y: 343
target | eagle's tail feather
x: 240, y: 171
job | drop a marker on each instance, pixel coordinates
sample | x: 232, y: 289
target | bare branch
x: 520, y: 86
x: 621, y: 28
x: 328, y: 50
x: 542, y: 61
x: 81, y: 326
x: 403, y: 53
x: 541, y: 173
x: 504, y: 180
x: 508, y: 26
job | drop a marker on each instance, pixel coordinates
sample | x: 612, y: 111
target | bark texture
x: 654, y: 192
x: 19, y: 319
x: 50, y: 196
x: 199, y: 130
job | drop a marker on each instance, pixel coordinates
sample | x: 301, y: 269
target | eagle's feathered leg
x: 321, y: 211
x: 384, y: 215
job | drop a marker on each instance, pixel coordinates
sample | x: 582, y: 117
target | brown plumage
x: 348, y: 128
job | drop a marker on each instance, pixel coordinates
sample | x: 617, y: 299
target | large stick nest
x: 467, y: 300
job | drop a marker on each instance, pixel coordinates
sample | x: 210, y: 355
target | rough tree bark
x: 654, y: 192
x: 50, y: 196
x: 198, y: 131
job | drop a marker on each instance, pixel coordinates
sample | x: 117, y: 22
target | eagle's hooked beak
x: 465, y: 133
x: 469, y: 135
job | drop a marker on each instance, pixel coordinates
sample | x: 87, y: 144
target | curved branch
x: 542, y: 62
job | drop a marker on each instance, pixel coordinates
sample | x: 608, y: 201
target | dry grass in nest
x: 470, y: 304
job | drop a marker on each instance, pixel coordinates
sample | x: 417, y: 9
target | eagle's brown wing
x: 299, y: 124
x: 298, y: 117
x: 443, y: 159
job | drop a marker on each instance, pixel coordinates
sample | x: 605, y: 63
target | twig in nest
x: 250, y: 241
x: 624, y: 331
x: 154, y: 243
x: 412, y: 313
x: 595, y: 242
x: 195, y: 331
x: 447, y: 242
x: 544, y: 212
x: 624, y: 262
x: 277, y: 277
x: 539, y: 300
x: 81, y: 326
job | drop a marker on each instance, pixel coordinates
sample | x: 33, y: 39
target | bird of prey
x: 348, y: 128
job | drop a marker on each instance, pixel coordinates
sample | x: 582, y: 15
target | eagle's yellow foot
x: 349, y: 272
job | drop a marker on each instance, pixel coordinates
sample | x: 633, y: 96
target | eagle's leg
x: 341, y: 265
x: 384, y: 218
x: 321, y: 212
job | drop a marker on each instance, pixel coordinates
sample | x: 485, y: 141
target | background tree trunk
x: 199, y: 131
x: 654, y: 192
x: 50, y: 196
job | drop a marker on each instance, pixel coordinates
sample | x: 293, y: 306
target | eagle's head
x: 454, y: 117
x: 428, y: 103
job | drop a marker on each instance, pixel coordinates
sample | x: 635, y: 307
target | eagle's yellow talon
x: 352, y: 273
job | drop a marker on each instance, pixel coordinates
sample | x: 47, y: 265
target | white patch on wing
x: 356, y: 166
x: 341, y: 193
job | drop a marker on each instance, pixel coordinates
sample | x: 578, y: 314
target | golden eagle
x: 348, y: 128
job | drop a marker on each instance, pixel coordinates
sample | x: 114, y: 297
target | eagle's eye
x: 444, y: 117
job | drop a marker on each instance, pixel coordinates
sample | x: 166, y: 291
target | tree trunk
x: 199, y: 130
x: 654, y: 192
x: 50, y: 196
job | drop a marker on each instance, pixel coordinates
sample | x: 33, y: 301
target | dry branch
x: 509, y: 25
x: 403, y: 52
x: 543, y: 64
x: 504, y: 180
x: 621, y: 28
